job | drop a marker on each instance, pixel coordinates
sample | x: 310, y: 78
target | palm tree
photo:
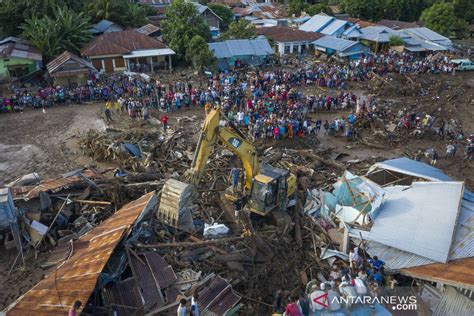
x: 101, y: 9
x: 66, y: 31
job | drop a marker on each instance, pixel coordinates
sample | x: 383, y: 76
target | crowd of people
x: 362, y: 278
x: 331, y: 75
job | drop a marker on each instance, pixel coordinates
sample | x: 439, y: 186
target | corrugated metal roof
x: 453, y: 303
x: 316, y: 23
x: 55, y: 185
x: 119, y: 43
x: 17, y: 49
x: 75, y: 278
x: 60, y: 60
x: 459, y: 273
x: 353, y: 28
x: 217, y: 298
x: 411, y: 167
x: 426, y: 33
x: 410, y: 218
x: 243, y: 47
x: 395, y: 259
x: 379, y: 34
x: 429, y: 35
x: 337, y: 44
x: 462, y: 244
x: 333, y: 27
x: 148, y: 29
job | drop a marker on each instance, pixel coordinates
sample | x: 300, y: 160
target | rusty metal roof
x: 457, y: 273
x: 218, y: 297
x: 148, y: 29
x: 120, y: 43
x: 76, y: 278
x: 55, y: 185
x: 20, y: 50
x: 74, y: 62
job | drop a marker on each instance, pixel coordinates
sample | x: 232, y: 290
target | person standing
x: 164, y: 121
x: 182, y: 309
x: 194, y: 305
x: 74, y: 308
x: 108, y: 115
x: 293, y: 309
x: 234, y: 174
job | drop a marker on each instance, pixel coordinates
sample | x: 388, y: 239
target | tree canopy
x: 464, y: 9
x: 14, y: 13
x: 241, y: 29
x: 67, y: 30
x: 375, y: 10
x: 318, y: 8
x: 440, y: 17
x: 395, y: 40
x: 198, y: 53
x: 122, y: 12
x: 181, y: 24
x: 295, y: 7
x: 224, y: 13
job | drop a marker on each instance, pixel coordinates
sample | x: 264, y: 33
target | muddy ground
x: 47, y: 143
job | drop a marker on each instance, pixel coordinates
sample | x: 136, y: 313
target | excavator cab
x: 269, y: 191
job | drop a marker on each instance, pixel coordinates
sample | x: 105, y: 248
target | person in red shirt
x: 293, y: 309
x: 164, y: 121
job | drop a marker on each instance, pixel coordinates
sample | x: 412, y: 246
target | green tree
x: 240, y: 29
x: 224, y: 13
x: 364, y: 9
x: 14, y: 13
x: 395, y: 40
x: 198, y: 53
x: 296, y: 7
x: 67, y: 30
x: 135, y: 15
x: 181, y: 24
x: 440, y: 18
x: 464, y: 9
x: 318, y: 8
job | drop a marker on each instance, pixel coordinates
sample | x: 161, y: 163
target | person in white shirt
x: 194, y: 305
x: 182, y: 310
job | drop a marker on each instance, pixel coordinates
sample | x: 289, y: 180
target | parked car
x: 463, y: 64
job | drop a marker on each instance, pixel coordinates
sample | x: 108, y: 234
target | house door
x: 109, y: 66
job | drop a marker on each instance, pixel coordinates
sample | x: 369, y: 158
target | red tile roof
x: 120, y: 43
x: 287, y: 34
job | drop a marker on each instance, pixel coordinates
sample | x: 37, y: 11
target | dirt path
x: 34, y: 141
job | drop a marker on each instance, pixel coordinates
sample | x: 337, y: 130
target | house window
x: 287, y: 49
x: 295, y: 49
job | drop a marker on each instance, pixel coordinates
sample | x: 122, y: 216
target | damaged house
x: 416, y: 219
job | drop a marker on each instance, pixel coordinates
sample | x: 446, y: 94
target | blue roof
x: 316, y: 23
x: 412, y: 167
x: 301, y: 19
x: 337, y: 44
x: 242, y: 47
x: 333, y: 27
x: 103, y: 25
x: 379, y: 34
x: 353, y: 28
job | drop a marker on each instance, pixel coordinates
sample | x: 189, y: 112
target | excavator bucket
x: 177, y: 200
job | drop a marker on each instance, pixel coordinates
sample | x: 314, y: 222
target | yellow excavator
x: 267, y: 188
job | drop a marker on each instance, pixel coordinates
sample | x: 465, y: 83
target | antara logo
x: 322, y: 300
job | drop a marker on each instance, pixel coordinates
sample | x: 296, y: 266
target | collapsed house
x: 416, y: 219
x: 102, y: 270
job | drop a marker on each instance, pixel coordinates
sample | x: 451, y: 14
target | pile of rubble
x: 82, y: 202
